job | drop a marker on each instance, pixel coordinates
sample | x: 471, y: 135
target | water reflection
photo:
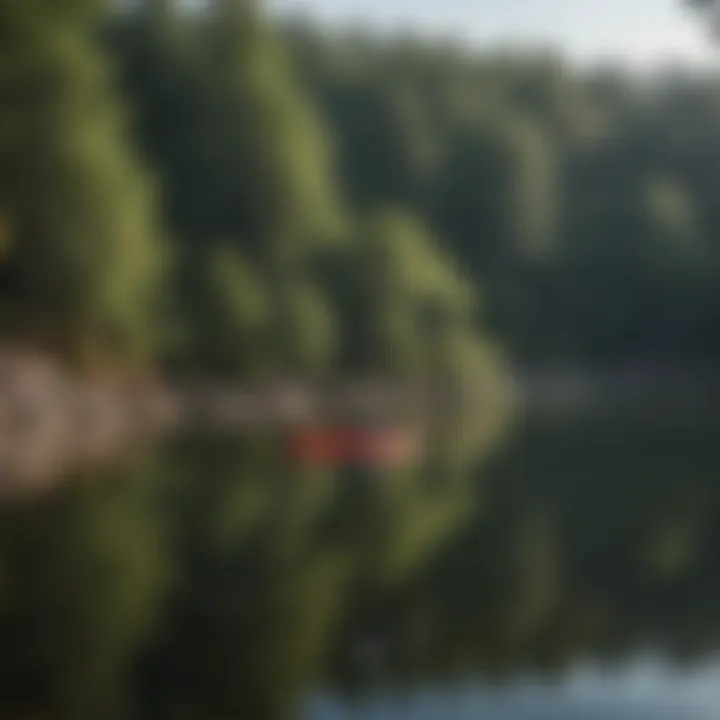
x: 217, y: 580
x: 82, y: 576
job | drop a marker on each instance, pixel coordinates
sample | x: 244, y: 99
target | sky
x: 637, y: 32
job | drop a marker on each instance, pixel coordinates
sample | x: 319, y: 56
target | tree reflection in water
x: 215, y: 580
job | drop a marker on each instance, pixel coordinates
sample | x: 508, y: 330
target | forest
x: 210, y: 190
x: 214, y: 189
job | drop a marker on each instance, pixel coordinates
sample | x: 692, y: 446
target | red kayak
x: 352, y: 446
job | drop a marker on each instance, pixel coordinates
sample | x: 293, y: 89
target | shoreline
x: 53, y: 420
x: 575, y: 389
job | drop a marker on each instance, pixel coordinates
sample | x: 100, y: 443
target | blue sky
x: 641, y: 32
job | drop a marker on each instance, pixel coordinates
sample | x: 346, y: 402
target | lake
x: 569, y: 570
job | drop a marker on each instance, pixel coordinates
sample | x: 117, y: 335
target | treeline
x: 211, y: 190
x: 584, y: 203
x: 205, y: 227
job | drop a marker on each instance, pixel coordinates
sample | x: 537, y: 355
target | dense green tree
x: 81, y: 251
x: 247, y: 175
x: 401, y: 298
x: 583, y: 203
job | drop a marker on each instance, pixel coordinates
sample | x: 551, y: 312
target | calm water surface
x: 569, y: 573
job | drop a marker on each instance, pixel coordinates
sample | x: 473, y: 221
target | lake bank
x: 53, y: 418
x: 577, y: 388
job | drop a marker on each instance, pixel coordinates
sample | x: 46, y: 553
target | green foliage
x: 84, y: 262
x: 585, y: 206
x: 303, y: 331
x: 272, y: 149
x: 243, y: 156
x: 233, y: 335
x: 672, y: 218
x: 398, y: 293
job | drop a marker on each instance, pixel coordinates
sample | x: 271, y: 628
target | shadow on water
x: 215, y: 579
